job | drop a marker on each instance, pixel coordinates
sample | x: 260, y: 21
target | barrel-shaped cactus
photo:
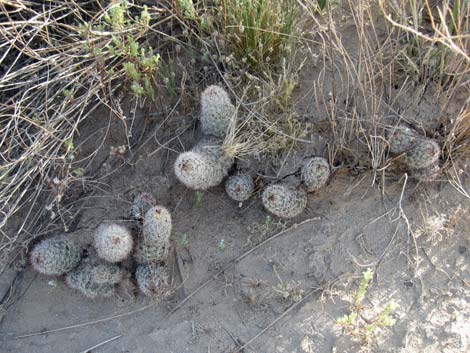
x: 284, y: 200
x: 154, y: 244
x: 239, y: 187
x: 197, y: 171
x: 55, y: 256
x: 113, y: 242
x: 315, y: 173
x: 84, y: 280
x: 157, y: 224
x: 217, y: 112
x: 423, y: 154
x: 402, y: 139
x: 154, y: 281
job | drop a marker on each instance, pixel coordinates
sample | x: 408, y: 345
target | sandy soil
x: 348, y: 227
x: 286, y: 295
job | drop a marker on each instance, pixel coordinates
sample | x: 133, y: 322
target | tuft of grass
x: 258, y: 31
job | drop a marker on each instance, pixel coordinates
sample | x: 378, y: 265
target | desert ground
x: 245, y: 280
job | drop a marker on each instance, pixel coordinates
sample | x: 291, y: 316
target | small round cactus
x: 402, y: 139
x: 113, y: 242
x: 157, y: 224
x: 153, y: 281
x: 423, y: 154
x: 217, y: 112
x: 239, y: 187
x: 106, y: 273
x: 283, y: 200
x: 83, y: 280
x: 315, y: 173
x: 55, y: 256
x: 142, y: 202
x: 197, y: 171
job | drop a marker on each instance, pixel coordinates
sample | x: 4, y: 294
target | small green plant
x: 322, y: 4
x: 359, y: 327
x: 221, y: 245
x: 184, y: 240
x: 188, y: 9
x: 258, y: 30
x: 139, y: 63
x: 198, y: 199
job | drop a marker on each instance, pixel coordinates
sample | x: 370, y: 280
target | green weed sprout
x: 359, y: 327
x: 140, y: 64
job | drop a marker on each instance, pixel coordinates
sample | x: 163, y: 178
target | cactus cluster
x: 420, y: 155
x: 55, y: 256
x: 284, y: 200
x: 239, y: 187
x: 425, y: 153
x: 217, y: 112
x: 199, y: 171
x: 95, y: 280
x: 154, y: 245
x: 315, y: 173
x: 113, y: 242
x: 153, y: 281
x: 401, y: 139
x: 206, y: 165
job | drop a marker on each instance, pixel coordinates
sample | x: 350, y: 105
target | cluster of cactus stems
x: 99, y: 274
x: 205, y: 166
x: 420, y: 155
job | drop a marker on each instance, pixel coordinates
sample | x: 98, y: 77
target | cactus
x: 204, y: 166
x: 151, y: 252
x: 315, y: 173
x: 423, y: 154
x: 401, y: 139
x: 142, y: 202
x: 426, y: 174
x: 283, y: 200
x: 239, y: 187
x: 106, y: 273
x: 113, y: 242
x: 154, y: 245
x: 217, y: 112
x: 157, y: 224
x: 55, y: 256
x: 197, y: 171
x: 153, y: 281
x: 84, y: 280
x: 212, y: 147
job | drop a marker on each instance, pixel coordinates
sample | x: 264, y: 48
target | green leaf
x: 322, y: 4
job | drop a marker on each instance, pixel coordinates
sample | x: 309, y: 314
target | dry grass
x: 370, y: 79
x: 57, y: 67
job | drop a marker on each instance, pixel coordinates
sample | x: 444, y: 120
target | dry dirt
x: 348, y: 227
x: 319, y: 256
